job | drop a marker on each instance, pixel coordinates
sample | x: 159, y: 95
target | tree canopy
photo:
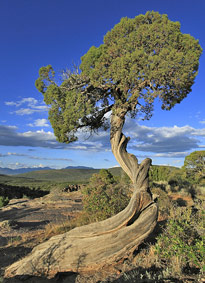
x: 141, y: 59
x: 194, y: 165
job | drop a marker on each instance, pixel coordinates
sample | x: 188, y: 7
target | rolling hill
x: 51, y: 177
x: 8, y: 171
x: 66, y: 175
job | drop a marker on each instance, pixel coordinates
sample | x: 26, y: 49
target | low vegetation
x: 180, y: 246
x: 103, y: 197
x: 3, y: 201
x: 175, y: 251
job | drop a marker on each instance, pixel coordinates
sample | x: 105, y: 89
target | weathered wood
x: 95, y: 245
x: 128, y: 162
x: 79, y: 250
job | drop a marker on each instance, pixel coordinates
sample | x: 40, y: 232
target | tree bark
x: 129, y: 163
x: 93, y: 246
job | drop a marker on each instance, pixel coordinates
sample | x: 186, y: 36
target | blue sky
x: 36, y: 33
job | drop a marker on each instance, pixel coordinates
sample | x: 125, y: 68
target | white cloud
x: 30, y: 101
x: 10, y: 137
x: 172, y: 154
x: 25, y: 111
x: 39, y: 166
x: 29, y: 111
x: 8, y: 154
x: 18, y: 165
x: 11, y: 103
x: 165, y: 140
x: 32, y: 106
x: 39, y: 137
x: 171, y: 142
x: 39, y: 123
x: 15, y: 154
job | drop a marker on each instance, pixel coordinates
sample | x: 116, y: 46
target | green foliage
x: 104, y: 197
x: 163, y: 201
x: 71, y: 106
x: 141, y: 59
x: 3, y: 201
x: 176, y: 179
x: 145, y: 53
x: 62, y: 175
x: 159, y: 173
x: 194, y: 166
x: 30, y: 181
x: 162, y: 173
x: 181, y: 243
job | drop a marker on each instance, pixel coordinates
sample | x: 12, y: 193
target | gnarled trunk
x: 92, y: 246
x: 129, y: 163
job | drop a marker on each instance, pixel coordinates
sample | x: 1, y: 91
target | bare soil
x: 23, y: 225
x: 23, y: 222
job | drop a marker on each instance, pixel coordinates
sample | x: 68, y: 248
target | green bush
x: 181, y: 243
x: 158, y: 173
x: 104, y: 196
x: 3, y: 201
x: 194, y: 168
x: 163, y: 200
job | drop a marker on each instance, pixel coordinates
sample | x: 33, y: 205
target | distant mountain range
x: 78, y: 167
x: 8, y: 171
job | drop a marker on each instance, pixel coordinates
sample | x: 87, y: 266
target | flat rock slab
x: 35, y: 214
x: 28, y: 217
x: 92, y: 246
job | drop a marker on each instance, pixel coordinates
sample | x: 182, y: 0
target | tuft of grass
x: 7, y: 224
x: 3, y: 201
x: 15, y: 240
x: 53, y: 229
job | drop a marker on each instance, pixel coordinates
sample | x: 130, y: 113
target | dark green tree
x: 194, y: 165
x: 140, y: 60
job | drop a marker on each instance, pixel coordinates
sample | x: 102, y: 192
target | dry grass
x: 53, y: 229
x: 143, y: 265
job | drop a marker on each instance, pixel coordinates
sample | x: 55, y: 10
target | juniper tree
x: 194, y: 165
x: 140, y: 60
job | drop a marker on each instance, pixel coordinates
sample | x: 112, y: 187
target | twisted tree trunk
x: 92, y: 246
x: 128, y: 162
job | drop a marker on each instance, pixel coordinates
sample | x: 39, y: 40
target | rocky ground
x: 24, y: 223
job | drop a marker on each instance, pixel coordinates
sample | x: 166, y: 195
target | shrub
x: 163, y: 201
x: 194, y: 166
x: 180, y: 245
x: 103, y: 197
x: 3, y: 201
x: 159, y: 173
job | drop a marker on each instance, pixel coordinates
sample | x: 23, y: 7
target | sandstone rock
x: 92, y: 246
